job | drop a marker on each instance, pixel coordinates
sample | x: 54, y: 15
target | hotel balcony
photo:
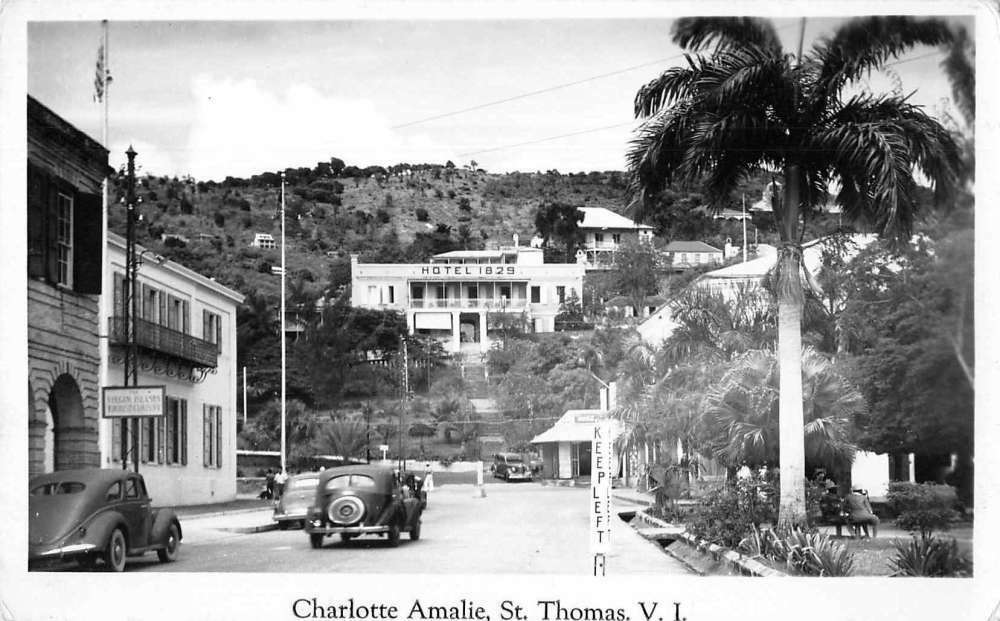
x: 162, y: 340
x: 475, y: 303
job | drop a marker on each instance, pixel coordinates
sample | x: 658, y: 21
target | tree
x: 636, y: 271
x: 345, y: 437
x: 560, y: 222
x: 742, y: 105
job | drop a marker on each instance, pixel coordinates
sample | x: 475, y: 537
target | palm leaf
x: 698, y: 33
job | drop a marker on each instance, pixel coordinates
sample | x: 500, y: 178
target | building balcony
x: 474, y: 303
x: 159, y: 339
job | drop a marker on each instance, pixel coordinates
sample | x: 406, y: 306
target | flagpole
x: 282, y: 336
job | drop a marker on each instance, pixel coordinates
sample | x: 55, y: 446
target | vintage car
x: 362, y: 500
x: 97, y: 514
x: 510, y: 467
x: 297, y: 497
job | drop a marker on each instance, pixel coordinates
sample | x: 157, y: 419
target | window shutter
x: 87, y: 243
x: 173, y: 427
x: 205, y: 325
x: 144, y: 439
x: 116, y: 439
x: 184, y: 432
x: 160, y: 440
x: 205, y: 439
x: 37, y: 208
x: 52, y: 234
x: 218, y: 437
x: 218, y: 333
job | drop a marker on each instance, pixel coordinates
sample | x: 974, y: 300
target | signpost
x: 602, y: 447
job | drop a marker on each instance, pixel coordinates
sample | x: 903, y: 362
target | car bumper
x: 61, y: 552
x: 289, y: 517
x: 313, y: 528
x: 518, y: 476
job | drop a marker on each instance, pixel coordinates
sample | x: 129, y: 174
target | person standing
x: 279, y: 483
x: 269, y: 484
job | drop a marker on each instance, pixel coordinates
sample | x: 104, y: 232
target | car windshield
x: 58, y: 487
x: 355, y: 481
x: 304, y: 483
x: 513, y: 459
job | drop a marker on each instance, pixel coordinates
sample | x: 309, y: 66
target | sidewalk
x: 246, y: 514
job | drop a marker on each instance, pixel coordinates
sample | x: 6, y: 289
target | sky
x: 217, y: 98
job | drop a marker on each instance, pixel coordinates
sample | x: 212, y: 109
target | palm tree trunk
x: 792, y: 501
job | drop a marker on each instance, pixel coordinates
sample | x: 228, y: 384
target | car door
x: 136, y: 511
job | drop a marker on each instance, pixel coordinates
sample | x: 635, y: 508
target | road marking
x: 282, y: 548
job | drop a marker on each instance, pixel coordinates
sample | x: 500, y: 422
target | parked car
x: 510, y: 467
x: 293, y: 506
x: 362, y: 500
x: 93, y: 515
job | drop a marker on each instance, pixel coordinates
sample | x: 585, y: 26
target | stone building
x: 65, y: 171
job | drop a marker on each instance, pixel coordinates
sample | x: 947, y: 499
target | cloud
x: 240, y: 128
x: 151, y: 159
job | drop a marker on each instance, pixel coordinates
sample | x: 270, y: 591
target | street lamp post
x: 130, y: 309
x: 282, y: 335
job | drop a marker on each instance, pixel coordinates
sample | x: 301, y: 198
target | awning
x: 432, y: 321
x: 576, y: 426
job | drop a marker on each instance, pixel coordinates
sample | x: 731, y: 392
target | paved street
x: 516, y: 528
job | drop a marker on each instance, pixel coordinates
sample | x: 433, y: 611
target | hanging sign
x: 133, y: 401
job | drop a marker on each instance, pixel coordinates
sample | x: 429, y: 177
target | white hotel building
x: 460, y: 297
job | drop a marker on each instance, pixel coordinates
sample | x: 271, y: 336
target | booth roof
x: 576, y: 426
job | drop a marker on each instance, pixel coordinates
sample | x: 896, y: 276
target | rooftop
x: 601, y: 218
x: 689, y: 246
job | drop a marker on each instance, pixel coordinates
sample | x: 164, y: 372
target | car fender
x: 162, y: 519
x: 100, y: 526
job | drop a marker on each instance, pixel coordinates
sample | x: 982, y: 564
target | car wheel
x: 394, y: 535
x: 415, y: 531
x: 86, y: 561
x: 316, y: 540
x: 168, y: 553
x: 114, y: 554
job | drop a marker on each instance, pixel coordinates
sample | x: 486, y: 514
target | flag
x: 102, y: 76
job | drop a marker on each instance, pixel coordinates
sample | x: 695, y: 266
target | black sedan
x: 363, y: 500
x: 93, y: 515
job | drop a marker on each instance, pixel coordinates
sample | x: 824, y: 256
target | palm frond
x: 673, y: 85
x: 863, y: 44
x: 959, y: 65
x: 699, y: 33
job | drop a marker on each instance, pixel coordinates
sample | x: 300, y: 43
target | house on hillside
x: 64, y: 213
x: 264, y: 241
x: 604, y: 231
x: 682, y: 255
x: 623, y: 307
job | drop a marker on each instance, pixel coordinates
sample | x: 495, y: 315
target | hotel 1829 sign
x: 467, y: 271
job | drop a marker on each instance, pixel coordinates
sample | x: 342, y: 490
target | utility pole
x: 130, y: 309
x: 282, y: 336
x: 406, y: 394
x: 744, y: 228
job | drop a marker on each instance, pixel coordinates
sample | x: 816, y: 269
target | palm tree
x: 742, y: 105
x: 742, y: 412
x: 345, y: 437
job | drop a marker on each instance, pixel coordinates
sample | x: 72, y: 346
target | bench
x: 833, y: 514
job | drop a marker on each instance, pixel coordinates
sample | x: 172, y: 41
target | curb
x: 198, y: 516
x: 742, y: 564
x: 246, y: 530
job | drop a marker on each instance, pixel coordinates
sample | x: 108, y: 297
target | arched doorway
x: 71, y: 437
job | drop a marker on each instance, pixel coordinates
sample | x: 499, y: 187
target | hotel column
x: 484, y: 341
x: 456, y: 331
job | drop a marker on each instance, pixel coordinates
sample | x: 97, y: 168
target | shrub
x: 727, y: 515
x: 382, y: 215
x: 923, y: 507
x: 422, y: 215
x: 806, y: 553
x: 928, y: 556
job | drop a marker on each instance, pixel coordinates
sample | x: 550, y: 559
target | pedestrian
x: 269, y: 484
x: 859, y: 511
x: 279, y: 483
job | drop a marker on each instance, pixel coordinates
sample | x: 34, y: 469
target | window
x: 131, y: 488
x: 211, y: 328
x: 175, y: 432
x: 392, y: 294
x: 64, y: 239
x: 473, y: 292
x: 505, y: 291
x: 439, y: 292
x: 599, y: 238
x: 418, y: 292
x: 147, y: 435
x: 212, y: 436
x: 150, y: 304
x: 536, y: 295
x: 114, y: 492
x: 373, y: 295
x: 561, y: 294
x: 616, y: 238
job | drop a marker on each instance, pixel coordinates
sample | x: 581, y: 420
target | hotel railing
x: 165, y: 340
x: 484, y: 304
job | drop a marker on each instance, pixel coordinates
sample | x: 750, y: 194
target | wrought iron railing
x: 477, y: 303
x: 153, y: 336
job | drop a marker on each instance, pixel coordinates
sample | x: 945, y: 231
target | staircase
x: 491, y: 420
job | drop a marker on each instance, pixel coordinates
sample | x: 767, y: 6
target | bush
x: 422, y: 215
x: 805, y: 553
x: 923, y: 507
x: 927, y: 556
x: 727, y: 515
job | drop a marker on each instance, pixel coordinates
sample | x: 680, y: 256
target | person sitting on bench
x: 859, y: 511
